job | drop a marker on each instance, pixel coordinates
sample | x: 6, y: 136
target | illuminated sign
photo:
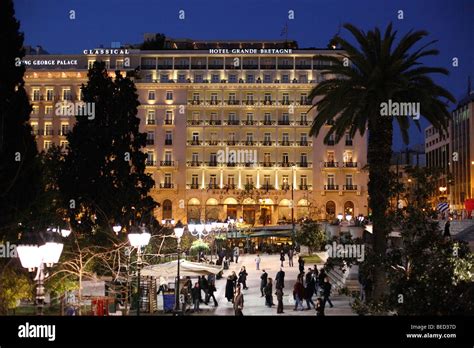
x: 107, y: 51
x: 250, y: 51
x: 50, y: 62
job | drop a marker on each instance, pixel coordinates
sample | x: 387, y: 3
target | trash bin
x: 168, y: 301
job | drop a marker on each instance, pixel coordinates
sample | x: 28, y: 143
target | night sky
x: 451, y: 22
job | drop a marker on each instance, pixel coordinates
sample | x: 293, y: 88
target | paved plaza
x: 254, y: 304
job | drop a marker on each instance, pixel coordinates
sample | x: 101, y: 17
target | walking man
x: 279, y: 295
x: 263, y: 282
x: 236, y: 254
x: 327, y: 292
x: 290, y: 257
x: 280, y: 279
x: 257, y: 262
x: 238, y: 302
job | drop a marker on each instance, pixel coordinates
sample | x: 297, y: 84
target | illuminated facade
x: 228, y: 133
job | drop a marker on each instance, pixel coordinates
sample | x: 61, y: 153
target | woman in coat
x: 238, y: 302
x: 279, y: 295
x: 229, y: 289
x: 243, y: 277
x: 301, y: 264
x: 269, y: 293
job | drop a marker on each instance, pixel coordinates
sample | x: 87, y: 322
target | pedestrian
x: 196, y: 296
x: 280, y: 279
x: 290, y: 257
x: 226, y: 262
x: 210, y: 293
x: 234, y: 279
x: 447, y: 232
x: 282, y: 257
x: 279, y: 295
x: 301, y: 264
x: 257, y: 262
x: 236, y: 254
x: 263, y: 281
x: 298, y: 293
x: 229, y: 289
x: 243, y: 277
x: 269, y: 293
x: 308, y: 277
x: 327, y: 292
x: 315, y: 280
x: 238, y: 302
x: 204, y: 285
x: 184, y: 292
x: 308, y: 295
x: 319, y: 307
x: 322, y: 275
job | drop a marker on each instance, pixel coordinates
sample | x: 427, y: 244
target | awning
x: 187, y: 268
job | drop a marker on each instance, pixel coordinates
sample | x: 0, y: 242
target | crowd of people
x: 193, y: 295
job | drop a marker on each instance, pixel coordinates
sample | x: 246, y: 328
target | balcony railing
x: 150, y: 122
x: 233, y: 122
x: 250, y: 66
x: 216, y: 66
x: 194, y: 142
x: 267, y: 164
x: 214, y: 102
x: 213, y: 122
x: 350, y: 164
x: 303, y: 123
x: 233, y: 102
x: 168, y: 142
x: 232, y: 142
x: 303, y: 66
x: 167, y: 122
x: 267, y: 143
x: 285, y: 187
x: 331, y: 164
x: 194, y: 122
x: 285, y: 66
x: 194, y: 102
x: 181, y: 66
x: 286, y: 102
x: 193, y: 186
x: 211, y: 164
x: 286, y: 164
x: 248, y: 102
x: 305, y: 102
x: 230, y: 187
x: 304, y: 187
x: 268, y: 123
x: 268, y: 102
x: 231, y: 164
x: 266, y: 187
x: 249, y: 123
x: 349, y: 187
x: 148, y: 67
x: 283, y: 122
x: 198, y: 66
x: 49, y: 132
x: 331, y: 187
x: 166, y: 185
x: 249, y: 187
x: 284, y: 143
x: 194, y: 163
x: 304, y: 164
x: 250, y: 142
x: 150, y: 162
x: 303, y: 143
x: 212, y: 186
x: 167, y: 163
x: 267, y: 66
x: 212, y: 142
x: 165, y: 66
x: 248, y: 164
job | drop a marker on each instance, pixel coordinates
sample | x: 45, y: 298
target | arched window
x: 349, y: 208
x: 331, y: 208
x: 167, y: 209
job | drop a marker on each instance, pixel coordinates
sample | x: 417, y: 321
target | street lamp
x: 339, y: 217
x: 348, y: 217
x: 139, y: 237
x: 178, y: 232
x: 117, y: 228
x: 40, y: 250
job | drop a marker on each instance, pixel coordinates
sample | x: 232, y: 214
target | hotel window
x: 196, y: 96
x: 63, y: 144
x: 347, y: 156
x: 285, y: 118
x: 213, y: 138
x: 150, y: 138
x: 232, y: 136
x: 232, y: 117
x: 181, y: 78
x: 119, y: 64
x: 266, y: 180
x: 195, y: 181
x: 148, y: 78
x: 169, y: 117
x: 267, y: 138
x: 303, y: 118
x: 304, y: 158
x: 303, y: 98
x: 303, y: 182
x: 36, y: 94
x: 249, y: 98
x: 304, y: 138
x: 331, y: 140
x: 213, y: 181
x: 249, y: 180
x: 34, y: 128
x: 195, y: 137
x: 169, y: 95
x: 107, y: 64
x: 285, y: 182
x: 330, y: 156
x: 331, y: 180
x: 164, y: 78
x: 286, y: 138
x: 90, y: 64
x: 250, y: 117
x: 215, y: 78
x: 349, y: 180
x: 213, y: 116
x: 267, y: 118
x: 35, y: 109
x: 151, y: 95
x: 198, y: 78
x: 195, y: 157
x: 67, y: 94
x: 213, y: 158
x: 285, y: 157
x: 286, y: 99
x: 285, y: 62
x: 64, y: 129
x: 150, y: 158
x: 47, y: 144
x: 285, y: 78
x: 303, y: 78
x: 348, y: 139
x: 213, y: 98
x: 267, y: 78
x: 232, y: 78
x: 49, y: 94
x: 168, y: 157
x: 267, y: 97
x: 249, y: 138
x: 195, y: 117
x: 168, y: 180
x: 250, y: 78
x: 169, y: 138
x: 230, y: 181
x: 231, y: 97
x: 150, y: 117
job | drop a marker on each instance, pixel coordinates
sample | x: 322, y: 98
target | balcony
x: 198, y: 66
x: 165, y: 66
x: 194, y: 142
x: 303, y: 66
x: 350, y: 165
x: 233, y: 122
x: 267, y: 66
x: 166, y: 185
x: 167, y: 122
x: 167, y: 163
x: 331, y: 187
x: 150, y: 122
x: 194, y: 163
x: 248, y: 102
x: 331, y: 164
x: 211, y: 164
x: 248, y: 187
x: 286, y: 164
x: 285, y: 66
x: 212, y: 142
x: 213, y: 122
x: 232, y: 142
x: 181, y: 66
x: 285, y: 187
x: 212, y: 186
x: 250, y: 142
x: 194, y: 122
x: 249, y: 123
x: 303, y: 143
x: 284, y: 143
x: 304, y: 164
x: 250, y: 66
x: 249, y: 164
x: 150, y: 141
x: 266, y: 187
x: 267, y: 143
x: 303, y: 123
x: 194, y: 102
x: 214, y: 102
x: 231, y: 67
x: 168, y: 141
x: 148, y: 67
x: 267, y: 164
x: 283, y: 122
x: 349, y: 187
x: 348, y: 143
x: 233, y: 102
x: 268, y: 102
x: 193, y: 186
x: 231, y: 164
x: 286, y: 102
x: 230, y: 187
x: 216, y: 66
x: 268, y: 123
x: 150, y: 162
x: 304, y: 187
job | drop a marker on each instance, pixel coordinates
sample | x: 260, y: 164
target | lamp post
x: 38, y: 251
x: 139, y: 237
x: 178, y: 232
x: 339, y: 217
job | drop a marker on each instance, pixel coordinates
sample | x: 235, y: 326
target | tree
x: 103, y: 179
x: 15, y: 285
x: 311, y: 235
x: 375, y: 73
x: 157, y: 43
x: 19, y: 168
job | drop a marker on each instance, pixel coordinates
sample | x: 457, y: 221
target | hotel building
x: 227, y: 128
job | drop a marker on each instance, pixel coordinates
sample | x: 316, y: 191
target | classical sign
x: 107, y: 51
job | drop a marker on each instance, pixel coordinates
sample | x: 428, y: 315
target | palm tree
x: 362, y: 79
